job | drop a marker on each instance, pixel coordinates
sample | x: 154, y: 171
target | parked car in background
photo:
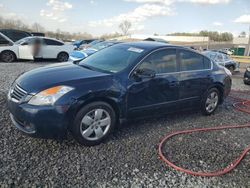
x: 156, y: 40
x: 15, y: 35
x: 246, y: 78
x: 227, y: 51
x: 78, y: 43
x: 77, y: 56
x: 36, y: 47
x: 124, y: 81
x: 223, y: 59
x: 88, y: 45
x: 9, y: 51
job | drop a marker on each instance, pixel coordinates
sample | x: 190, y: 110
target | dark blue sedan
x: 125, y: 81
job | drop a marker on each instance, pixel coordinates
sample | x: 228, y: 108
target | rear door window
x: 191, y: 61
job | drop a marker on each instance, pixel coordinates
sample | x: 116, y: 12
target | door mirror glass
x: 144, y: 73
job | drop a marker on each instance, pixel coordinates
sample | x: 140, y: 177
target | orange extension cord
x: 241, y: 105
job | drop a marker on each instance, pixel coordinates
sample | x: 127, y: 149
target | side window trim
x: 177, y: 61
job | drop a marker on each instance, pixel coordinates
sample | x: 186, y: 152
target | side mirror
x: 144, y: 73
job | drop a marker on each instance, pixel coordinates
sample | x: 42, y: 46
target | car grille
x: 17, y: 93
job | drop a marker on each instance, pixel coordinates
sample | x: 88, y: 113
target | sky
x: 147, y: 16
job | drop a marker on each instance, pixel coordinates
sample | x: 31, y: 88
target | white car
x: 227, y: 51
x: 23, y: 49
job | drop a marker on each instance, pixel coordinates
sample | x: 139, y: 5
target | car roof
x: 43, y: 38
x: 152, y: 45
x: 146, y: 45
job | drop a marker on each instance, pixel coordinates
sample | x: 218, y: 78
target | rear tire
x: 63, y: 57
x: 94, y: 123
x: 8, y: 56
x: 210, y: 101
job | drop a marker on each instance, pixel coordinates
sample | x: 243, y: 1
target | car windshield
x: 113, y: 59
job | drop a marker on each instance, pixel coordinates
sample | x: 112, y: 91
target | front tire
x: 8, y: 56
x: 94, y: 123
x: 210, y: 101
x: 62, y: 57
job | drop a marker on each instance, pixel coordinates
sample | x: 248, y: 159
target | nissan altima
x: 127, y: 80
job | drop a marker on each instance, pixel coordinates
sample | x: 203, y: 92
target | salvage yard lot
x: 130, y: 156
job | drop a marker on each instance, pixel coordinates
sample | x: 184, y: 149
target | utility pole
x: 248, y: 45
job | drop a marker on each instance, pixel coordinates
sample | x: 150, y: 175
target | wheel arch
x: 109, y: 101
x: 62, y: 52
x: 220, y: 88
x: 231, y: 65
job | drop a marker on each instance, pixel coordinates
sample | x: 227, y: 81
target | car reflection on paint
x: 77, y: 55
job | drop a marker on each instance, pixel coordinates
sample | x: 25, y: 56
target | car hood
x: 58, y: 74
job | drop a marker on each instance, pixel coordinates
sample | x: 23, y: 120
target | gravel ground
x: 130, y: 157
x: 10, y: 71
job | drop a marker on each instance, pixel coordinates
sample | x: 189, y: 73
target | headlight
x: 49, y: 96
x: 227, y: 72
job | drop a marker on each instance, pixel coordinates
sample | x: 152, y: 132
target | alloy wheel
x: 95, y: 124
x: 63, y: 57
x: 7, y: 57
x: 212, y: 101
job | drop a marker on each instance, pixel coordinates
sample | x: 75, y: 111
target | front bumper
x: 37, y: 121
